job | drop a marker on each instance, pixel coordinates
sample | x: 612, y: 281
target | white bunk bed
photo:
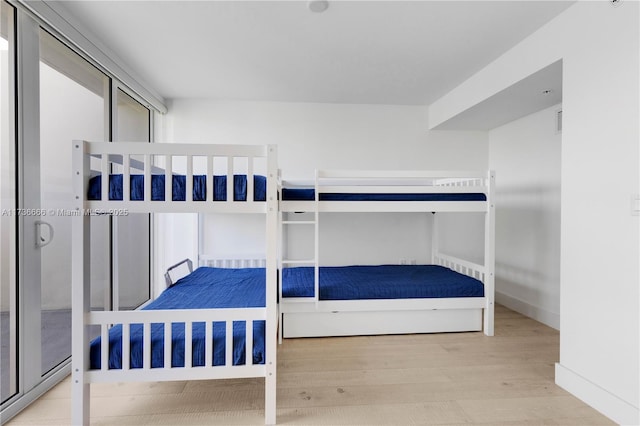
x: 388, y: 191
x: 91, y: 158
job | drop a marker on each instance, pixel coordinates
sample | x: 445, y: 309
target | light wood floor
x: 454, y: 378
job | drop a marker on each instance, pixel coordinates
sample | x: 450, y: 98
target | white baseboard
x: 605, y: 402
x: 544, y: 316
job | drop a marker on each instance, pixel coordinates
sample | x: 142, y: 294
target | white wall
x: 600, y: 238
x: 525, y: 155
x: 311, y: 136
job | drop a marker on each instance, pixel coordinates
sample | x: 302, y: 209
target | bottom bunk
x: 210, y: 324
x: 205, y: 288
x: 384, y: 299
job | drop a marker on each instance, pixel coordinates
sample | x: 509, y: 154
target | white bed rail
x: 167, y: 318
x: 394, y: 182
x: 462, y: 266
x: 133, y: 158
x: 400, y: 181
x: 232, y: 262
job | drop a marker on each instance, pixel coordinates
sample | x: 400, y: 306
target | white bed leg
x: 488, y: 317
x: 270, y: 396
x: 80, y: 394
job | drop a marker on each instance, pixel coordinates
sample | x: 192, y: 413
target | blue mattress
x: 380, y: 282
x: 179, y: 187
x: 203, y: 288
x: 308, y: 194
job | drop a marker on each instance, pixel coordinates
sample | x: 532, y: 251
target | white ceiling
x: 371, y: 52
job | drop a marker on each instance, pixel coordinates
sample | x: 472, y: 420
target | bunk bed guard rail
x: 154, y: 170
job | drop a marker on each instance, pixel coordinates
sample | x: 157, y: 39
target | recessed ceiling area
x: 536, y: 92
x: 358, y: 52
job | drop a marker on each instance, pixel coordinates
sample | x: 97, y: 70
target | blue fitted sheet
x: 202, y: 289
x: 380, y: 282
x: 179, y: 187
x: 308, y: 194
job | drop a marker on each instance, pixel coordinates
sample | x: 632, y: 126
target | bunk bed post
x: 316, y: 240
x: 435, y: 239
x: 489, y: 256
x: 80, y: 258
x: 271, y: 344
x: 281, y: 218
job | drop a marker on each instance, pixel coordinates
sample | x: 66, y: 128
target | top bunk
x: 389, y: 191
x: 174, y: 178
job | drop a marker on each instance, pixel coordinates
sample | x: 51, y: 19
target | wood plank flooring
x: 452, y: 378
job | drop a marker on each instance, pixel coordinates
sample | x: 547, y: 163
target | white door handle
x: 40, y: 240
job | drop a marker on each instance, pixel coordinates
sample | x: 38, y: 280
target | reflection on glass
x: 72, y: 106
x: 8, y: 349
x: 132, y: 231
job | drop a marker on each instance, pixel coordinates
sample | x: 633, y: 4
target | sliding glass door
x: 74, y: 104
x: 51, y: 95
x: 8, y: 219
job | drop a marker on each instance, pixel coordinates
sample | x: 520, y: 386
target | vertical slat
x: 126, y: 179
x: 126, y: 344
x: 115, y: 266
x: 188, y: 342
x: 435, y: 239
x: 230, y: 179
x: 250, y: 161
x: 188, y: 196
x: 228, y: 357
x: 146, y: 346
x: 210, y: 178
x: 168, y: 181
x: 104, y: 347
x: 147, y: 177
x: 208, y: 343
x: 249, y: 343
x: 167, y: 345
x: 104, y: 168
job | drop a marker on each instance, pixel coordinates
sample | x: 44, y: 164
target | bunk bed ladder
x: 289, y: 261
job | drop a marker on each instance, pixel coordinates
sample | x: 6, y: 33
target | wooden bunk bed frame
x: 127, y: 155
x: 311, y: 317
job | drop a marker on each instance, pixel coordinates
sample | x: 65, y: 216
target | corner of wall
x: 527, y: 309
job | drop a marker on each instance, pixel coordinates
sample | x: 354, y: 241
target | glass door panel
x: 73, y: 104
x: 8, y: 219
x: 132, y: 278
